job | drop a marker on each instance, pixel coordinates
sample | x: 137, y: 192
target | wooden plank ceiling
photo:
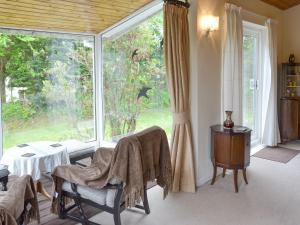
x: 84, y: 16
x: 283, y: 4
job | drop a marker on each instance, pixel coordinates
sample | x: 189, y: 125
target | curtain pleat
x: 177, y: 58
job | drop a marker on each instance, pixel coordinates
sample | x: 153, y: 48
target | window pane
x: 46, y: 83
x: 250, y: 69
x: 134, y: 80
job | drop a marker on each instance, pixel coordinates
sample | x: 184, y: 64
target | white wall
x: 206, y: 73
x: 291, y: 33
x: 206, y: 66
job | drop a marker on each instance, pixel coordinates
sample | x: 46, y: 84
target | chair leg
x: 62, y: 213
x: 117, y: 217
x: 84, y: 219
x: 145, y: 202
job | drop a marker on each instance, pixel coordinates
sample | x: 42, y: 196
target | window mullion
x: 99, y: 90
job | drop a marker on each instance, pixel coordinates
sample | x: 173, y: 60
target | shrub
x: 17, y: 111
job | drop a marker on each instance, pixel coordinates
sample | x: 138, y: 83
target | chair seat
x: 93, y: 194
x: 99, y: 196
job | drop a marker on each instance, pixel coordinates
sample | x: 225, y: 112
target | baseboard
x: 204, y: 180
x: 257, y: 149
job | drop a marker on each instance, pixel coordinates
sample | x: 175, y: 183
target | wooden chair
x: 108, y: 199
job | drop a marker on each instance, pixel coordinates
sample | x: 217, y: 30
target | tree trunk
x: 3, y: 62
x: 115, y: 126
x: 2, y: 88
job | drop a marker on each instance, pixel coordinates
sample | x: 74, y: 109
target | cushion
x: 100, y: 196
x: 93, y: 194
x: 111, y: 193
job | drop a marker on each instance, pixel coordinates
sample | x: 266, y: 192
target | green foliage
x: 55, y: 75
x: 131, y: 61
x: 17, y: 111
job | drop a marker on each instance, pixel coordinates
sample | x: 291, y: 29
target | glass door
x: 252, y: 74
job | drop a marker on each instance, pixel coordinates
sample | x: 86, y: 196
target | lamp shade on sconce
x: 209, y: 23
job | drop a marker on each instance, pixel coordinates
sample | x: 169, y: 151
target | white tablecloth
x: 46, y: 158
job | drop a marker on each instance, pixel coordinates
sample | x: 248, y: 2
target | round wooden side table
x: 230, y: 149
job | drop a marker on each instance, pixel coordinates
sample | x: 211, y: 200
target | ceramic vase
x: 228, y: 123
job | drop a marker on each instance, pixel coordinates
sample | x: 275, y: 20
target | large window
x: 49, y: 91
x: 253, y: 49
x: 135, y: 91
x: 47, y: 87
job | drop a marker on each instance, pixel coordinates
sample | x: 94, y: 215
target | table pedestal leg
x: 41, y: 189
x: 214, y: 175
x: 245, y: 176
x: 224, y: 172
x: 236, y: 180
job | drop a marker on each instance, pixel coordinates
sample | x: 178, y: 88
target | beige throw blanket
x: 94, y: 175
x: 136, y: 160
x: 12, y: 202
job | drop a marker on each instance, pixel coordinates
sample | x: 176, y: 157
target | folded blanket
x: 94, y: 175
x: 137, y: 159
x: 14, y: 201
x: 140, y: 158
x: 156, y: 159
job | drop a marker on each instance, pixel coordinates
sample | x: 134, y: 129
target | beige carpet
x: 282, y: 155
x: 271, y: 198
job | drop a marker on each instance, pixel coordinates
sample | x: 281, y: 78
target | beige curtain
x: 176, y: 46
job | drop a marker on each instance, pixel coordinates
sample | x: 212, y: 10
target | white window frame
x: 261, y: 32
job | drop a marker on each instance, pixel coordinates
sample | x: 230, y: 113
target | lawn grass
x: 45, y: 132
x: 162, y: 118
x: 50, y: 131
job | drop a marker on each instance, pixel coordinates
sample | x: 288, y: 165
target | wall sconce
x: 209, y: 23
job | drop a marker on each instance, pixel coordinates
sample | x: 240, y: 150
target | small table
x: 34, y: 159
x: 230, y: 149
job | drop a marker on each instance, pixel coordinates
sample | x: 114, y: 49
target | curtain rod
x: 178, y: 2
